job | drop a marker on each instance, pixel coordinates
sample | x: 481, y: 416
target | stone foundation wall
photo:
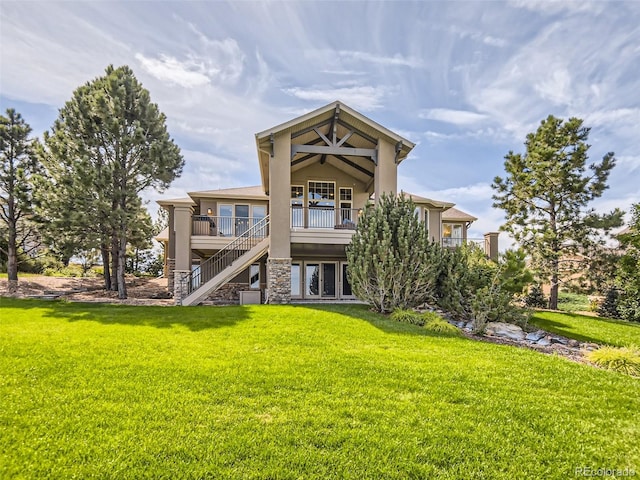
x: 279, y: 280
x: 180, y: 285
x: 171, y: 265
x: 228, y: 294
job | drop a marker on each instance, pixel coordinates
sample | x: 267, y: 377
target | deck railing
x: 226, y: 256
x: 459, y: 241
x: 324, y: 217
x: 216, y: 226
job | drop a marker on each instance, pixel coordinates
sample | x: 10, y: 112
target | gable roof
x: 455, y: 215
x: 353, y: 129
x: 255, y: 192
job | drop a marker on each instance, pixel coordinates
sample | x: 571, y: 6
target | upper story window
x: 322, y: 194
x: 346, y: 206
x: 297, y: 195
x: 297, y: 203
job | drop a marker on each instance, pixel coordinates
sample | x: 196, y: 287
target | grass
x: 573, y: 302
x: 599, y: 330
x: 21, y: 275
x: 97, y: 391
x: 620, y: 359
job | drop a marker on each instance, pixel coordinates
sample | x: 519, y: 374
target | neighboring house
x: 284, y: 240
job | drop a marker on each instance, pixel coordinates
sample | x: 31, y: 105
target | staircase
x: 226, y: 264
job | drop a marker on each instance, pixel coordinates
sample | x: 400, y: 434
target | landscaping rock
x: 468, y: 326
x: 535, y: 336
x: 561, y: 340
x: 544, y: 341
x: 505, y: 330
x: 573, y: 343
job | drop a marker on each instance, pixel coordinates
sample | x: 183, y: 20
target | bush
x: 620, y: 359
x: 441, y: 326
x: 392, y: 262
x: 407, y: 316
x: 609, y: 306
x: 535, y: 298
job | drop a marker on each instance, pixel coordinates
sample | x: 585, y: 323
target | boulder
x: 535, y: 336
x: 544, y: 341
x: 504, y: 330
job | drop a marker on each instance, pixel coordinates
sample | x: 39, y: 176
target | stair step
x: 45, y: 296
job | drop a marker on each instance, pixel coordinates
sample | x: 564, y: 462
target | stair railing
x: 226, y: 256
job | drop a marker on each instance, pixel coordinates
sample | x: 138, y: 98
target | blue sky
x: 464, y: 81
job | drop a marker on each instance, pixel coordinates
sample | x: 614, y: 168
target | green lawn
x: 573, y: 302
x: 292, y: 392
x: 590, y: 329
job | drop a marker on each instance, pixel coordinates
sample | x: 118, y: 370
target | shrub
x: 535, y: 298
x: 392, y: 262
x: 404, y: 315
x: 609, y: 306
x: 620, y: 359
x: 441, y: 326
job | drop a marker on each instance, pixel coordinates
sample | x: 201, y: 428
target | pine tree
x: 546, y: 192
x: 109, y: 143
x: 18, y: 170
x: 628, y: 274
x: 392, y: 263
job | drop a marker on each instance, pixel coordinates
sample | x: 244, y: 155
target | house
x: 284, y: 240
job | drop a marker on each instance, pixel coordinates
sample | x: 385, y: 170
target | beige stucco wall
x: 182, y: 225
x: 280, y: 197
x: 329, y: 173
x: 435, y: 225
x: 386, y: 176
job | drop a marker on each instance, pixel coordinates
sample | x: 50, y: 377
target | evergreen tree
x: 18, y: 168
x: 109, y: 143
x: 545, y: 194
x: 628, y: 274
x: 392, y: 263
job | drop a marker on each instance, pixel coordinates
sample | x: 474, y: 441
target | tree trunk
x: 122, y: 250
x: 104, y: 250
x: 12, y: 259
x: 553, y: 295
x: 114, y: 262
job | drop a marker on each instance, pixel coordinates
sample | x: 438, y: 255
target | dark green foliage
x: 109, y: 143
x: 516, y: 277
x: 535, y: 298
x: 628, y: 272
x: 609, y: 307
x: 392, y: 262
x: 19, y: 167
x: 544, y: 195
x: 472, y: 286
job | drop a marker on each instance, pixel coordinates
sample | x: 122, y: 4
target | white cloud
x: 364, y: 97
x: 457, y: 117
x: 555, y: 86
x: 554, y: 7
x: 170, y: 70
x: 396, y: 60
x: 629, y: 162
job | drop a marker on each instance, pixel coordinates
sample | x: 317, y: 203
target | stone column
x: 491, y: 245
x: 180, y: 285
x: 279, y: 261
x: 278, y: 280
x: 171, y: 266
